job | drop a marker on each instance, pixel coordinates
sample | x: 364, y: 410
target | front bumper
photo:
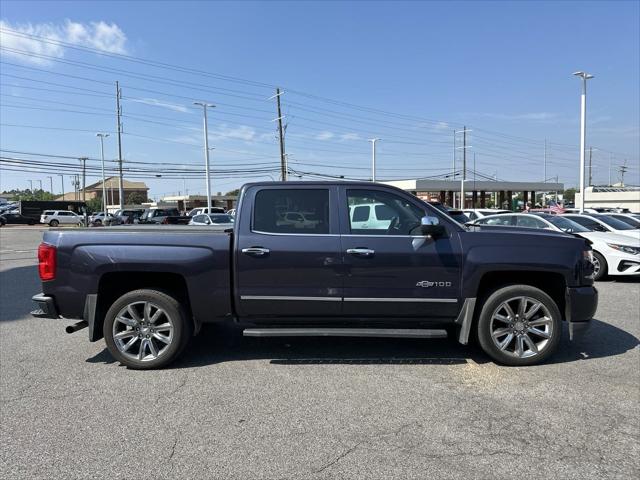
x: 46, y: 307
x: 580, y: 307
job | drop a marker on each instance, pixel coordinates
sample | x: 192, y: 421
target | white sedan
x: 613, y: 254
x: 601, y: 222
x: 220, y: 221
x: 476, y: 213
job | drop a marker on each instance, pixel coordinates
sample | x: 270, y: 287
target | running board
x: 346, y: 332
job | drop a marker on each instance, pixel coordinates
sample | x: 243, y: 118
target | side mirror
x: 430, y: 226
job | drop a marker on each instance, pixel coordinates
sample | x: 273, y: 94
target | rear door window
x: 298, y: 211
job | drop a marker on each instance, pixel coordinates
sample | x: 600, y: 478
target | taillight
x: 46, y: 262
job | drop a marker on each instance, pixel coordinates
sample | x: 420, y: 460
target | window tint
x: 360, y: 214
x: 65, y: 214
x: 291, y: 211
x: 220, y: 218
x: 614, y: 223
x: 383, y: 212
x: 592, y: 225
x: 530, y: 222
x: 398, y: 216
x: 472, y: 215
x: 48, y: 212
x: 198, y: 218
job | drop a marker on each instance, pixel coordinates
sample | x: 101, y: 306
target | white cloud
x: 324, y: 135
x: 350, y: 136
x: 539, y: 116
x: 101, y: 35
x: 159, y: 103
x: 441, y: 126
x: 242, y: 132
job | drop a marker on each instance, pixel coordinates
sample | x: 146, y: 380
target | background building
x: 113, y: 197
x: 612, y: 197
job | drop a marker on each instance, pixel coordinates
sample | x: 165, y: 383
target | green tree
x: 569, y: 195
x: 234, y: 192
x: 136, y: 198
x: 28, y: 194
x: 94, y: 205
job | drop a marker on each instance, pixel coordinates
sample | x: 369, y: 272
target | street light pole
x: 583, y: 132
x: 102, y: 136
x: 62, y: 180
x: 373, y: 158
x: 51, y: 184
x: 206, y: 150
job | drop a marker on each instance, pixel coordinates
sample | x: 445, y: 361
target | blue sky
x: 501, y: 68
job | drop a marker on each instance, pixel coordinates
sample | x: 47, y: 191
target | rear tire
x: 519, y: 325
x: 600, y: 267
x: 54, y: 223
x: 146, y: 329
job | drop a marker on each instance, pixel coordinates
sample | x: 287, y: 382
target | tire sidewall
x: 484, y: 322
x: 602, y: 274
x: 54, y: 223
x: 181, y: 327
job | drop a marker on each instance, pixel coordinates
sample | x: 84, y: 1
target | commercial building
x: 611, y: 197
x: 112, y: 187
x: 188, y: 202
x: 477, y: 192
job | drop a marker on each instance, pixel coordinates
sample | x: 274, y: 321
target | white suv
x: 53, y: 218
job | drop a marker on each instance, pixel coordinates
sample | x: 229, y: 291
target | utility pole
x: 283, y: 160
x: 41, y: 192
x: 51, y: 184
x: 84, y: 177
x: 62, y: 180
x: 31, y: 186
x: 204, y: 106
x: 118, y: 115
x: 583, y: 132
x: 373, y: 158
x: 453, y: 172
x: 623, y: 169
x: 545, y: 162
x: 102, y: 136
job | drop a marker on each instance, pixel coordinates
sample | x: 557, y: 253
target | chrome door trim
x: 277, y: 234
x: 279, y: 297
x: 401, y: 299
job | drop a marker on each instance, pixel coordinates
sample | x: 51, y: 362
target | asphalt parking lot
x: 244, y: 408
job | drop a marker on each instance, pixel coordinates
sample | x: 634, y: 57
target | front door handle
x: 361, y: 252
x: 256, y: 251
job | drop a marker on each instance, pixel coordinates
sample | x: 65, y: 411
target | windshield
x: 634, y: 222
x: 566, y: 225
x: 613, y: 222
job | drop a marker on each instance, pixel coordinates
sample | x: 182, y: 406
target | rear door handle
x: 256, y: 251
x: 361, y: 252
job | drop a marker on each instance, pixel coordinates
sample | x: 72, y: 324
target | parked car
x: 157, y: 215
x: 15, y: 218
x: 613, y: 254
x: 147, y: 290
x: 200, y: 210
x: 100, y: 218
x: 232, y: 212
x: 600, y: 222
x: 475, y: 213
x: 298, y: 220
x: 374, y: 216
x: 221, y: 221
x: 53, y: 218
x: 458, y: 215
x: 628, y: 218
x: 127, y: 216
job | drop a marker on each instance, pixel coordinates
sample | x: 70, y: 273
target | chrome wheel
x: 143, y: 331
x: 596, y: 266
x: 521, y: 327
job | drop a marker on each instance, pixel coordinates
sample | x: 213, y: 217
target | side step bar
x: 346, y: 332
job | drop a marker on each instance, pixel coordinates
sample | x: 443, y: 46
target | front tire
x: 519, y: 325
x: 146, y: 329
x: 600, y: 267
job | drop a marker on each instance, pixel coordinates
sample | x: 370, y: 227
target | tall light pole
x: 84, y: 177
x: 102, y: 136
x: 204, y: 106
x: 62, y: 180
x: 373, y: 158
x: 41, y: 192
x: 50, y: 184
x: 583, y: 131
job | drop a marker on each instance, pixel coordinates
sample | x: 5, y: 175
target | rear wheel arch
x: 112, y: 285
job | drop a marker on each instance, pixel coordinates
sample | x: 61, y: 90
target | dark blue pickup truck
x: 320, y: 259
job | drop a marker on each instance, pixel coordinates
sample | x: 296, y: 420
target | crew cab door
x: 395, y: 271
x: 283, y: 267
